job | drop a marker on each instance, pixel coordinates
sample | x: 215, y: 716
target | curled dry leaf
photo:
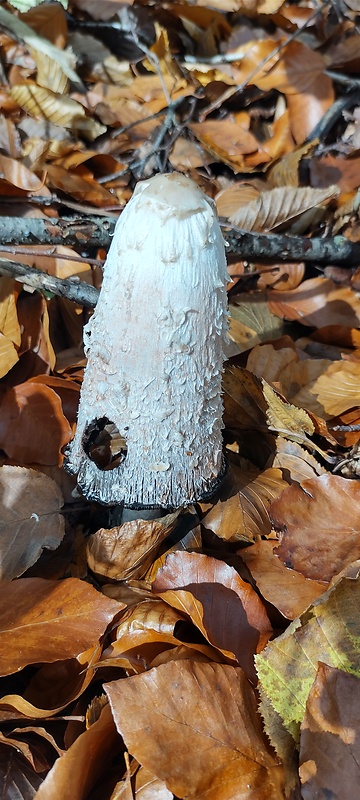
x: 9, y: 323
x: 128, y: 550
x: 329, y: 740
x: 289, y: 591
x: 52, y: 687
x: 29, y: 519
x: 45, y: 621
x: 318, y: 302
x: 337, y: 389
x: 240, y: 512
x: 319, y: 523
x: 74, y: 774
x: 17, y: 777
x: 195, y: 726
x: 276, y: 206
x: 196, y: 585
x: 42, y: 103
x: 43, y: 412
x: 328, y: 631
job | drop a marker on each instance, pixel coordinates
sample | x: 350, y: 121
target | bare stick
x: 78, y: 291
x: 265, y: 247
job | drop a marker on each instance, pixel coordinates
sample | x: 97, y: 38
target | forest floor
x: 212, y: 653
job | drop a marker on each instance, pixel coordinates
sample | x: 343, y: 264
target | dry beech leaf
x: 329, y: 740
x: 43, y: 412
x: 195, y: 726
x: 289, y: 591
x: 244, y: 402
x: 19, y: 175
x: 53, y: 687
x: 227, y: 141
x: 319, y: 525
x: 299, y: 463
x: 8, y: 355
x: 236, y: 196
x: 240, y: 512
x: 17, y: 778
x: 285, y: 418
x: 142, y: 632
x: 9, y: 323
x: 268, y: 363
x: 129, y: 549
x: 279, y: 205
x: 328, y: 631
x: 90, y: 756
x: 43, y: 620
x: 47, y: 19
x: 29, y: 519
x: 336, y: 390
x: 317, y: 302
x: 196, y: 585
x: 42, y: 103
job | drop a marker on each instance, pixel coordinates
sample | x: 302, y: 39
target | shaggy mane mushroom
x: 155, y: 348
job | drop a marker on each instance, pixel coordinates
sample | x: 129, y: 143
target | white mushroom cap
x: 155, y: 348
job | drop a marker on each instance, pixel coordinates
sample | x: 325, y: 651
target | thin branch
x: 77, y: 291
x: 265, y: 247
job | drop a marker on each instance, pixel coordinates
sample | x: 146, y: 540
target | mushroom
x: 155, y: 347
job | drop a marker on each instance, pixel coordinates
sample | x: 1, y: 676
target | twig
x: 231, y: 90
x: 331, y: 116
x: 265, y: 247
x: 78, y: 291
x: 18, y: 250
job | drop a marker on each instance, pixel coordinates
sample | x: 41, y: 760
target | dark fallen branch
x: 73, y: 289
x: 97, y: 232
x: 268, y: 248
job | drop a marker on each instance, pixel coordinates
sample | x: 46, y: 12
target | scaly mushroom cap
x: 155, y: 347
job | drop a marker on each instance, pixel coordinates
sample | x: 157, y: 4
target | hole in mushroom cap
x: 104, y: 444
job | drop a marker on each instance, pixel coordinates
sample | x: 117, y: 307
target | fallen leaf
x: 17, y: 778
x: 317, y: 302
x: 129, y: 549
x: 204, y: 738
x: 319, y: 524
x: 240, y: 512
x: 276, y: 206
x: 45, y: 621
x: 27, y: 408
x: 74, y: 774
x: 197, y: 584
x: 329, y: 740
x: 42, y: 103
x: 30, y: 519
x: 289, y: 591
x: 328, y: 631
x: 52, y: 687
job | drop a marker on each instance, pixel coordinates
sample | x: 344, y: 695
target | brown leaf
x: 27, y: 409
x: 336, y: 390
x: 42, y: 103
x: 8, y: 355
x: 196, y: 585
x: 318, y: 302
x: 45, y: 621
x: 74, y: 774
x: 227, y: 141
x: 203, y: 738
x: 17, y: 778
x: 18, y: 175
x: 129, y: 549
x: 29, y: 519
x: 9, y: 323
x: 276, y: 206
x: 240, y: 512
x: 289, y: 591
x: 329, y: 739
x: 320, y: 524
x: 52, y: 687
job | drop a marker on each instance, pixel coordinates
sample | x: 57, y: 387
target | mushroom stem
x: 155, y: 348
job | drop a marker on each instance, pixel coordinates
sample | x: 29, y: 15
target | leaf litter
x: 134, y: 654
